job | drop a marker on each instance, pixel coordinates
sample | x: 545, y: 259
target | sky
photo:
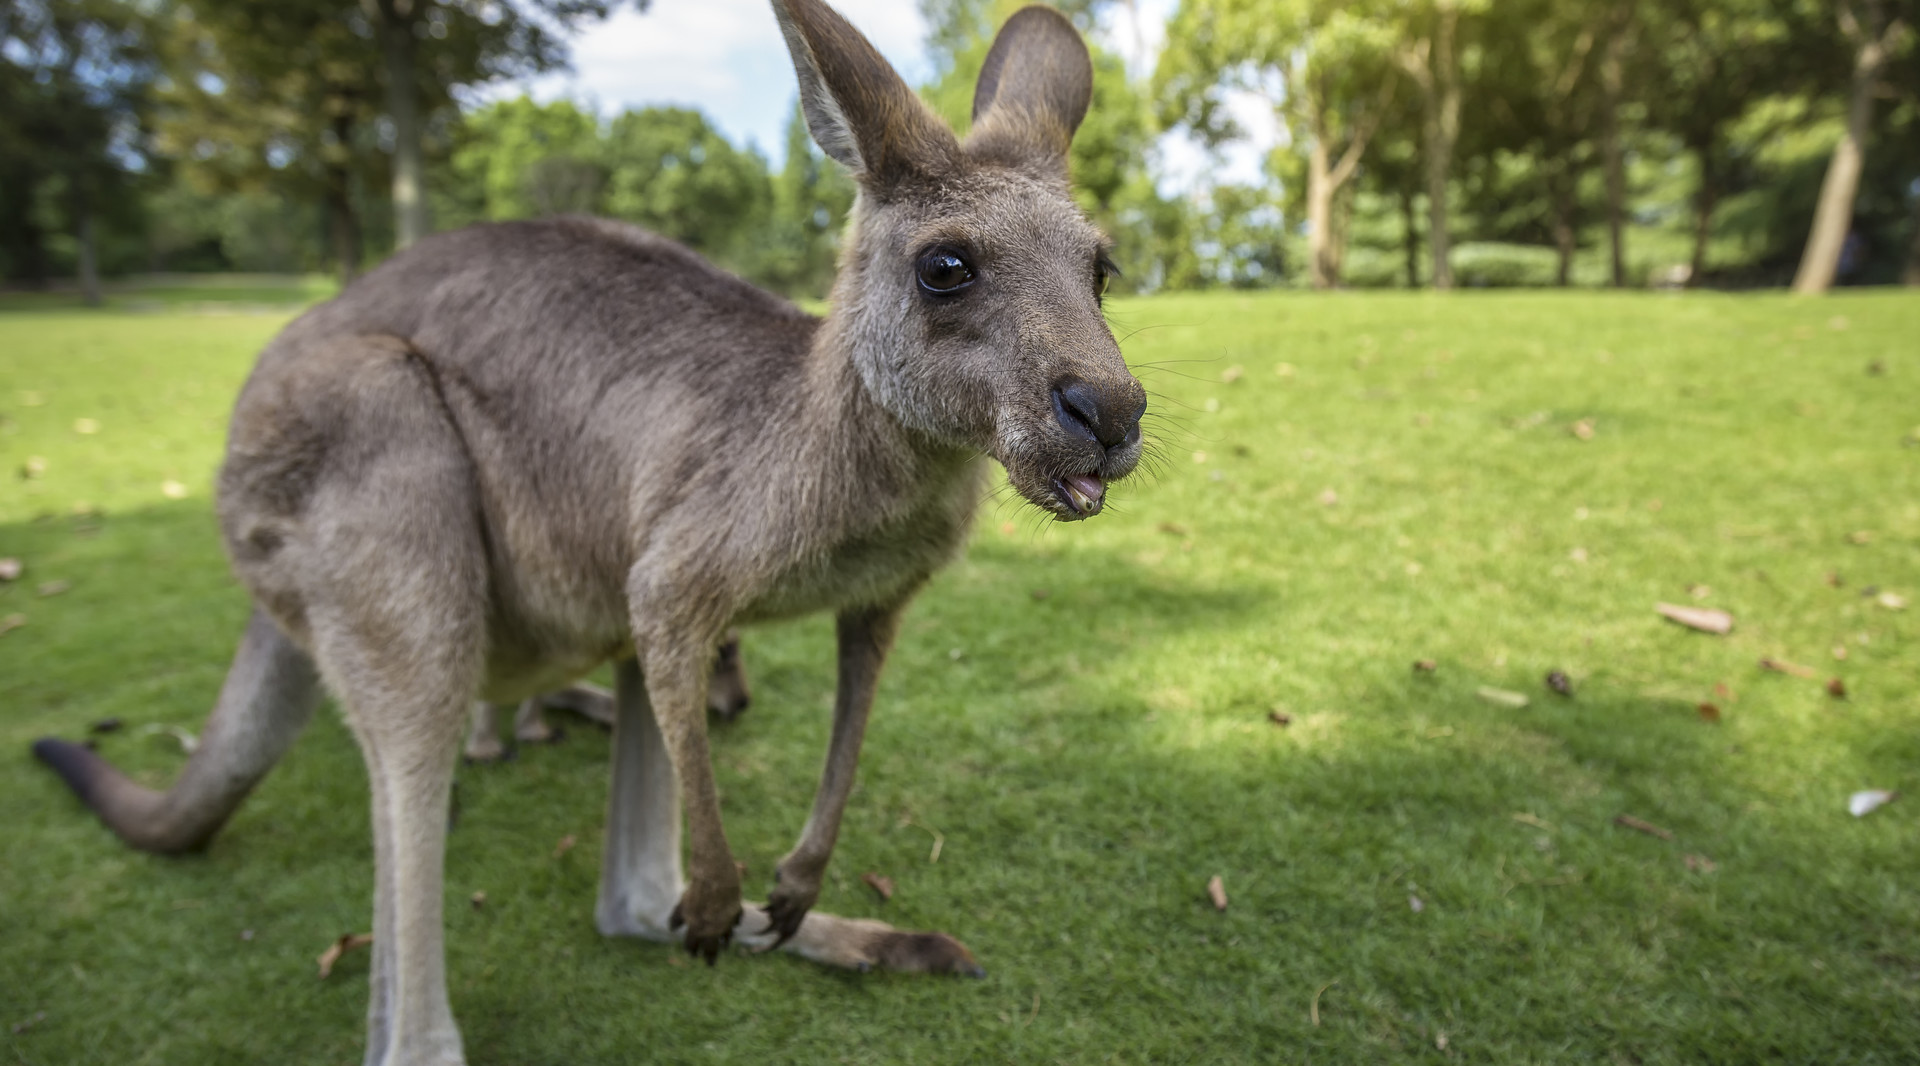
x: 726, y: 58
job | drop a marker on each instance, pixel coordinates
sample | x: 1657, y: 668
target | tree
x: 73, y: 93
x: 811, y: 198
x: 1322, y: 64
x: 274, y: 98
x: 1705, y: 63
x: 1429, y: 51
x: 1874, y: 30
x: 429, y: 48
x: 1541, y: 94
x: 672, y: 172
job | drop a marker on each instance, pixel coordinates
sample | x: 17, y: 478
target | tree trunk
x: 1441, y: 129
x: 395, y: 19
x: 1834, y: 215
x: 1320, y: 264
x: 343, y: 231
x: 343, y: 222
x: 1563, y: 235
x: 1612, y: 82
x: 89, y: 255
x: 1705, y: 199
x: 1412, y: 236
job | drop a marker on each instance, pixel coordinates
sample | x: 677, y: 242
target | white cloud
x: 722, y: 57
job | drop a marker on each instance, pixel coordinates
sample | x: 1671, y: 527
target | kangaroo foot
x: 860, y: 944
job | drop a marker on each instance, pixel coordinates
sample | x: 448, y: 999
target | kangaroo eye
x: 942, y: 272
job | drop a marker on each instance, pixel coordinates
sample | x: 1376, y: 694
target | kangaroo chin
x: 518, y: 451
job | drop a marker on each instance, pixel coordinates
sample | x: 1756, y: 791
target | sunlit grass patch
x: 1502, y: 484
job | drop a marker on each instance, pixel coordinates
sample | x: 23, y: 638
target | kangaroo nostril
x: 1077, y: 408
x: 1109, y: 417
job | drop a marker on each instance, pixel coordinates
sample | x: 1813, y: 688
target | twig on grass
x: 1630, y: 822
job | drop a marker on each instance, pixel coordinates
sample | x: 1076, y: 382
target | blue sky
x: 725, y: 57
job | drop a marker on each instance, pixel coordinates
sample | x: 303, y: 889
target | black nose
x: 1110, y: 416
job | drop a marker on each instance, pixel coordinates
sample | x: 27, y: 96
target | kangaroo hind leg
x: 270, y: 693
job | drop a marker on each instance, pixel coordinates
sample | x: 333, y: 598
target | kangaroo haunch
x: 517, y: 451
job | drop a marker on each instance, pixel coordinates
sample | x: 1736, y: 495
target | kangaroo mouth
x: 1082, y: 495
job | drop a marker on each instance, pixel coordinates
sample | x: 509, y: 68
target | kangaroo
x: 728, y: 697
x: 515, y: 451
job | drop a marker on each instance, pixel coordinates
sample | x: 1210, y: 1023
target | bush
x: 1491, y: 265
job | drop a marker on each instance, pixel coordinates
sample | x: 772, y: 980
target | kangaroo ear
x: 1034, y: 88
x: 857, y: 108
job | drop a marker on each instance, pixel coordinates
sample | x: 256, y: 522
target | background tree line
x: 1427, y: 142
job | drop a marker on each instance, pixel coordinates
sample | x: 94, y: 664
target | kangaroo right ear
x: 1034, y: 89
x: 857, y: 108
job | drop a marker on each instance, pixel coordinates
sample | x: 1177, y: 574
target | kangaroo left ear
x: 1034, y: 89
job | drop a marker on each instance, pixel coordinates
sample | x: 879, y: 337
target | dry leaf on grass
x: 1534, y: 820
x: 1721, y: 691
x: 105, y: 725
x: 1861, y: 536
x: 1217, y: 892
x: 1425, y: 666
x: 1837, y: 689
x: 1328, y: 497
x: 478, y: 899
x: 1313, y: 1009
x: 1280, y: 718
x: 882, y: 886
x: 1709, y: 713
x: 173, y: 490
x: 52, y: 588
x: 1582, y: 429
x: 1699, y: 592
x: 566, y: 844
x: 1635, y: 824
x: 1559, y: 682
x: 1704, y: 619
x: 1861, y: 804
x: 1415, y: 905
x: 340, y: 947
x: 11, y: 623
x: 1232, y: 374
x: 1174, y: 528
x: 1893, y: 601
x: 1501, y: 697
x: 11, y: 569
x: 1700, y: 863
x: 1834, y: 580
x: 1840, y: 652
x: 1041, y: 594
x: 1781, y: 666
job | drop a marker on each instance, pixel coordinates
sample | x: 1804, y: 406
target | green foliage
x: 667, y: 169
x: 1091, y: 758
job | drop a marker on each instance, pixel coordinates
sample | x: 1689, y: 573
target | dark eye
x: 1104, y: 271
x: 943, y: 272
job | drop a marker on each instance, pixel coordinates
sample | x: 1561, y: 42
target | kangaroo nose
x: 1109, y: 416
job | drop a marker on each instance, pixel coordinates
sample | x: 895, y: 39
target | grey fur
x: 517, y: 451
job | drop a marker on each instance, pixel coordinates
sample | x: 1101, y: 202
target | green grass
x: 1092, y: 756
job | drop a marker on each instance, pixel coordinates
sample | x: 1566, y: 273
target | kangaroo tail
x: 269, y: 694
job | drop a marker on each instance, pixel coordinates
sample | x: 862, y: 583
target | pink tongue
x: 1088, y: 486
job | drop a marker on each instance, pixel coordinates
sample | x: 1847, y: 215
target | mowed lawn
x: 1079, y: 716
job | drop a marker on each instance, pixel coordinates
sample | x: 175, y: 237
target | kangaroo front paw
x: 708, y: 915
x: 787, y: 907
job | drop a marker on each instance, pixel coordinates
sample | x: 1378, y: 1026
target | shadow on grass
x: 1086, y: 766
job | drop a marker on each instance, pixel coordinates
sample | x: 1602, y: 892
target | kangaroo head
x: 970, y: 282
